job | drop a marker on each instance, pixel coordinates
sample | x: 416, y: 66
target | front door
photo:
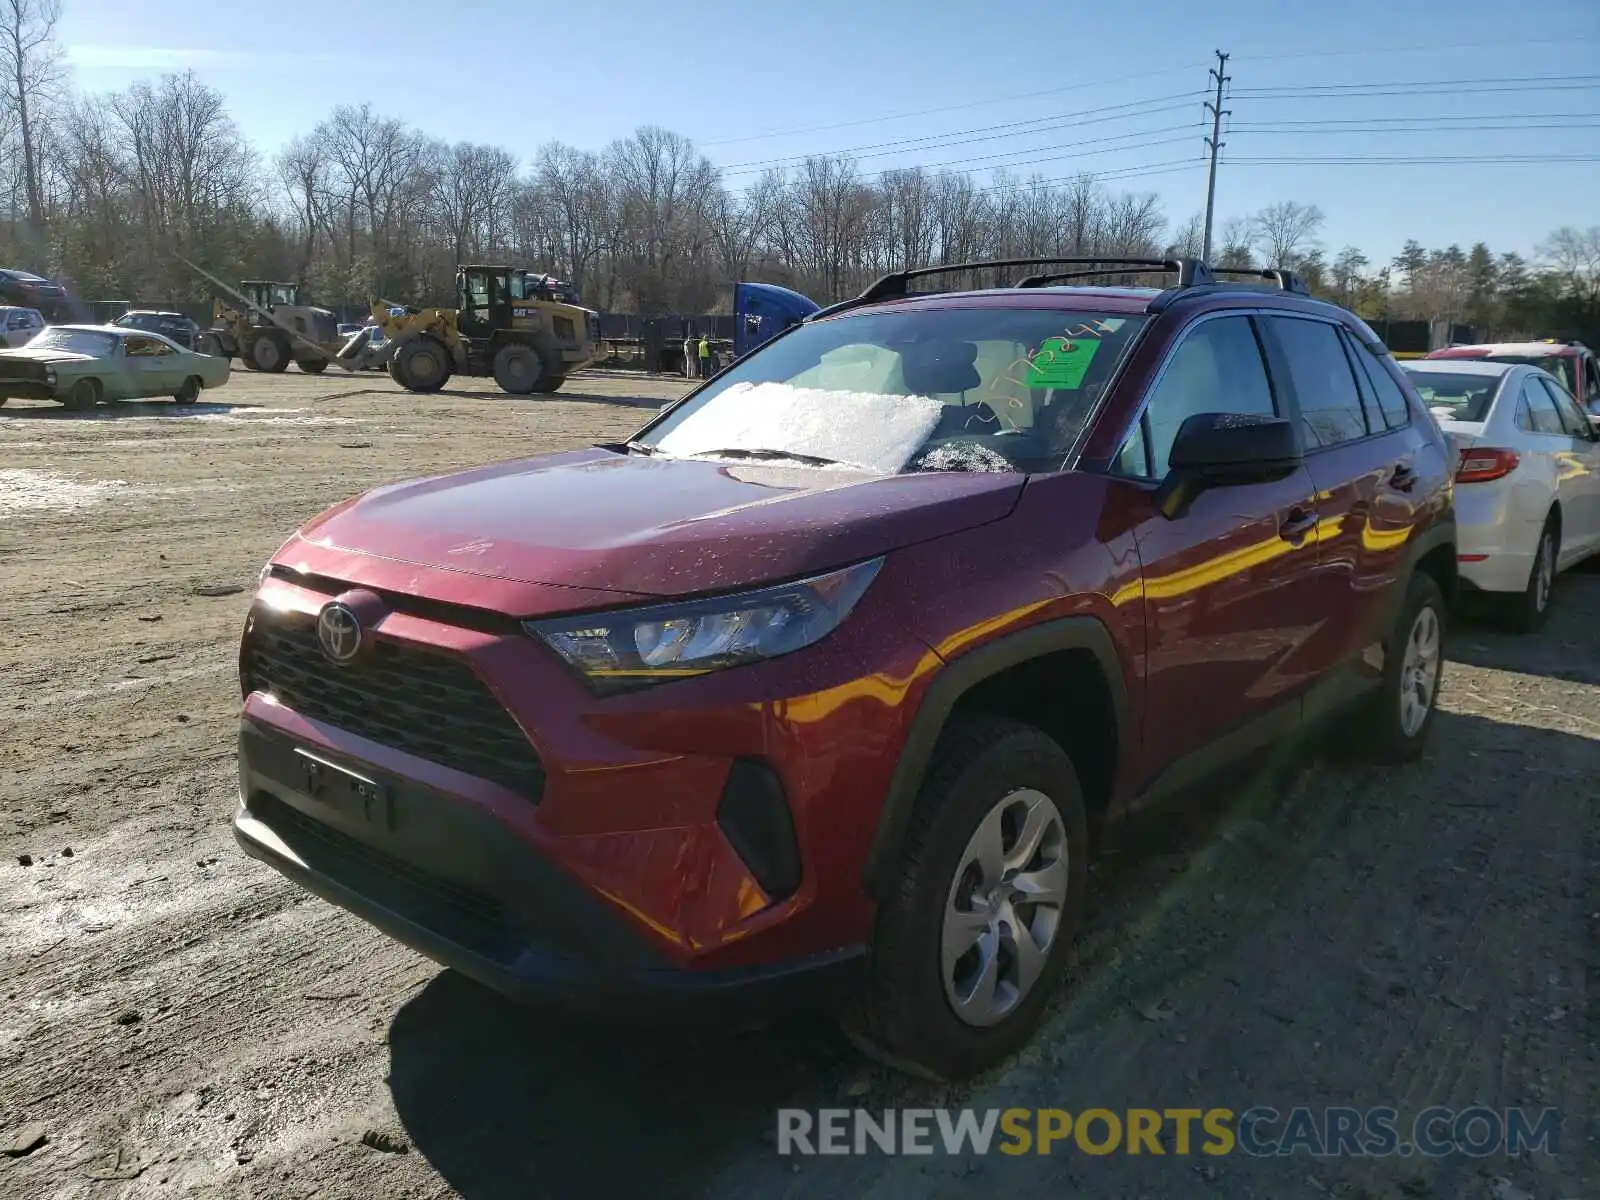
x: 1230, y: 588
x: 148, y: 364
x: 1579, y: 476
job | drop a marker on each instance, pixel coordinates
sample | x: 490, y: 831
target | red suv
x: 817, y: 689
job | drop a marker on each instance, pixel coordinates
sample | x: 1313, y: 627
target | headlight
x: 50, y: 376
x: 618, y: 651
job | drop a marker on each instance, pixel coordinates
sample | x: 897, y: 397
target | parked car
x: 174, y: 326
x: 1528, y: 483
x: 812, y: 691
x: 27, y: 290
x: 349, y: 329
x: 18, y: 325
x: 1571, y: 362
x: 81, y: 365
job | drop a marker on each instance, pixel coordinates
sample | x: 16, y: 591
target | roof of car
x: 1463, y: 366
x: 1525, y: 349
x: 152, y: 312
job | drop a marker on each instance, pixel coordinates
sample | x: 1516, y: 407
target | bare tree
x: 579, y: 201
x: 1574, y: 255
x: 30, y: 78
x: 1285, y: 231
x: 1234, y: 244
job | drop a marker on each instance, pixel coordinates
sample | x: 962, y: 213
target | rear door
x: 1366, y: 477
x: 1580, y: 476
x: 1229, y: 589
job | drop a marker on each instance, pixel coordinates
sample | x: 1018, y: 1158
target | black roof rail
x: 893, y: 285
x: 1191, y: 272
x: 1287, y: 281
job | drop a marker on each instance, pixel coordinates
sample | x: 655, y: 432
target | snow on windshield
x: 865, y: 429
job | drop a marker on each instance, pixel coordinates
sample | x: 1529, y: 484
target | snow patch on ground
x: 25, y: 490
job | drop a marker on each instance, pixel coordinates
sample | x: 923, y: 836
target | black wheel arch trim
x: 955, y: 679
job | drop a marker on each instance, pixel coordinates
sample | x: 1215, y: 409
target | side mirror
x: 1226, y: 450
x: 1594, y: 422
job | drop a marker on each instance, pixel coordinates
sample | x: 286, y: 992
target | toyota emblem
x: 339, y: 633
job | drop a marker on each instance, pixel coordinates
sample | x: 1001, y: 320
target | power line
x: 924, y: 112
x: 1364, y: 160
x: 1450, y: 117
x: 1479, y: 128
x: 1426, y: 87
x: 1367, y: 50
x: 930, y: 141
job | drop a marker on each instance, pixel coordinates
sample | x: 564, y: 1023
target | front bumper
x: 443, y: 877
x: 26, y: 389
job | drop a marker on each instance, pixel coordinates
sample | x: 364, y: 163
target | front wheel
x: 84, y: 394
x: 314, y: 366
x: 972, y: 935
x: 550, y: 383
x: 422, y: 365
x: 269, y: 354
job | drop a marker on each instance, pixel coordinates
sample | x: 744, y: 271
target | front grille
x: 22, y: 368
x: 422, y: 702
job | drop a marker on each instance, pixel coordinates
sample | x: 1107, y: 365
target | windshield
x: 1456, y: 397
x: 76, y: 341
x: 946, y: 389
x: 1562, y: 366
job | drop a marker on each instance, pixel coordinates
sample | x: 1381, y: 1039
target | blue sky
x: 1028, y: 84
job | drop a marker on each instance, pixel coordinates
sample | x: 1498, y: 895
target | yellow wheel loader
x: 269, y: 328
x: 507, y: 325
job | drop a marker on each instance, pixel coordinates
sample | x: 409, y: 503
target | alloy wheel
x: 1004, y: 907
x: 1419, y: 671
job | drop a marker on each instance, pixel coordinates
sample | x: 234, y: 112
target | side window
x: 1391, y: 400
x: 1542, y: 409
x: 1591, y: 384
x: 1330, y: 405
x: 1216, y: 368
x: 137, y: 347
x: 1524, y: 417
x: 1572, y: 420
x: 158, y: 349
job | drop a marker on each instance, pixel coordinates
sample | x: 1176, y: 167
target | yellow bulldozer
x: 507, y: 325
x: 269, y: 328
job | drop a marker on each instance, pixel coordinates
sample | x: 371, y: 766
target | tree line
x: 108, y: 193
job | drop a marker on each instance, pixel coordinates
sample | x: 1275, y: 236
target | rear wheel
x: 189, y: 392
x: 1527, y: 611
x: 314, y: 366
x: 1393, y: 724
x: 269, y: 353
x: 421, y: 365
x: 84, y: 394
x: 519, y: 369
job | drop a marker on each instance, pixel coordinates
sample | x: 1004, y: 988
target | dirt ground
x: 181, y: 1021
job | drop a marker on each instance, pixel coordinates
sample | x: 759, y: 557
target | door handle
x: 1297, y: 525
x: 1404, y: 478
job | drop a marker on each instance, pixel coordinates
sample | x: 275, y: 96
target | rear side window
x: 1330, y: 404
x: 1572, y: 418
x: 1391, y: 400
x: 1542, y: 409
x: 1216, y: 368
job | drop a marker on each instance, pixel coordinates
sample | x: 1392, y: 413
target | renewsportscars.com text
x: 1259, y: 1131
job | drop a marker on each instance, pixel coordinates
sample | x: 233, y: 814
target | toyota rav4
x: 816, y: 691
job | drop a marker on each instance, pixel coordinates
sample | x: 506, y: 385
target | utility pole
x: 1214, y: 142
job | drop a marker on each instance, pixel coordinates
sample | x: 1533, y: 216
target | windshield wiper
x: 639, y: 448
x: 810, y: 460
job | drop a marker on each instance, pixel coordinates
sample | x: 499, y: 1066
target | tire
x: 314, y: 366
x: 550, y: 383
x: 394, y: 371
x: 189, y: 393
x: 85, y: 394
x: 270, y: 354
x: 986, y: 773
x: 207, y: 343
x: 421, y: 365
x: 519, y: 369
x: 1386, y: 728
x: 1528, y: 611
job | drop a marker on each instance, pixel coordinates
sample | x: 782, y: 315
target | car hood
x: 655, y: 526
